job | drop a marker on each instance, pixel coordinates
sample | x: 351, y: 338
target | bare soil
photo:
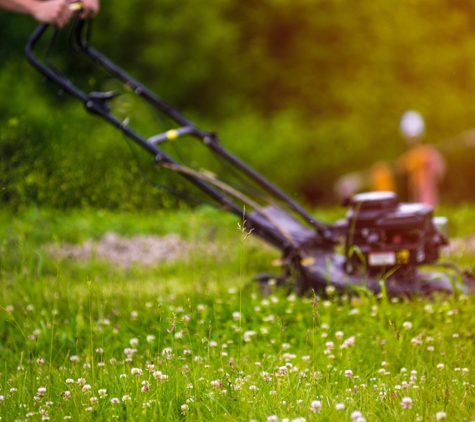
x: 125, y: 252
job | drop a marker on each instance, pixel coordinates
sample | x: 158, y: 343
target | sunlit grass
x: 195, y: 339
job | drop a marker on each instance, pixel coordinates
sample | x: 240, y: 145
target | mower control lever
x: 171, y: 135
x: 76, y: 6
x: 97, y: 101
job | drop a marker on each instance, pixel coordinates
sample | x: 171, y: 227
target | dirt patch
x: 125, y: 252
x: 460, y: 246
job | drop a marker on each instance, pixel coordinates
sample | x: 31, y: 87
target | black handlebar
x: 96, y: 103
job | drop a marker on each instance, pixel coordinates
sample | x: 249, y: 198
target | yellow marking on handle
x: 306, y: 262
x: 76, y: 6
x: 171, y: 134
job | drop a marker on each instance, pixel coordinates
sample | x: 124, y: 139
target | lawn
x: 193, y: 338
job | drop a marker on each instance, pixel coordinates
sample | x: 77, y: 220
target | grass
x: 195, y: 339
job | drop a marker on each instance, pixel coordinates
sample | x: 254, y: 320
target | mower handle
x: 57, y: 78
x: 97, y: 104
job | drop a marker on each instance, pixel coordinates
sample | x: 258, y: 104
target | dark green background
x: 304, y: 90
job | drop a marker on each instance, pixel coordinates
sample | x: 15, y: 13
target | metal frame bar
x: 96, y: 103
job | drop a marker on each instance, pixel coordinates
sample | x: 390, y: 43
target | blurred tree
x: 318, y: 86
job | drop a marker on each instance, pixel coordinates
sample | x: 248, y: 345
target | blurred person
x: 381, y: 177
x: 423, y: 165
x: 53, y: 12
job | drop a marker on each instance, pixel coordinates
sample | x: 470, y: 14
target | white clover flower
x: 81, y: 381
x: 126, y: 398
x: 356, y: 414
x: 339, y: 335
x: 339, y: 406
x: 416, y: 341
x: 102, y: 393
x: 157, y: 375
x: 41, y: 391
x: 348, y: 373
x: 407, y: 325
x: 316, y: 406
x: 216, y: 384
x: 66, y: 395
x: 129, y: 352
x: 440, y: 415
x: 167, y: 353
x: 184, y: 408
x: 349, y: 342
x: 272, y: 418
x: 93, y: 400
x: 247, y: 335
x: 115, y: 400
x: 236, y: 316
x: 69, y: 381
x: 134, y: 342
x: 136, y: 371
x: 150, y: 338
x: 86, y: 388
x: 75, y: 359
x: 406, y: 403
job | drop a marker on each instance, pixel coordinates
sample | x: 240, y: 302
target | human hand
x: 90, y: 8
x: 53, y: 12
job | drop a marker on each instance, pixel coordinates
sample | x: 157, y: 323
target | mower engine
x: 382, y: 234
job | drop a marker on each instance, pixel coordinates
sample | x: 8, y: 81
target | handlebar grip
x: 76, y: 7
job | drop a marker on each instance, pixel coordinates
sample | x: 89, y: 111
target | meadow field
x: 189, y: 335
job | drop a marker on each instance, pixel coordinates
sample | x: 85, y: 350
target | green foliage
x: 304, y: 90
x: 217, y: 346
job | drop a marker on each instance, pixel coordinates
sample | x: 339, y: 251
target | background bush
x: 303, y: 90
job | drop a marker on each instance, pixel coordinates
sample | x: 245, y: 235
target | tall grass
x: 195, y: 339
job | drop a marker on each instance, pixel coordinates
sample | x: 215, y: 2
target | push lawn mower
x: 388, y: 246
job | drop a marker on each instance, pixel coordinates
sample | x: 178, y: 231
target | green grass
x: 220, y: 350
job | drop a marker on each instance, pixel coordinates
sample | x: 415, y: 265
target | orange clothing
x: 381, y: 177
x: 425, y: 167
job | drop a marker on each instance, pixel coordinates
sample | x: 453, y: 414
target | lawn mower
x: 382, y: 246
